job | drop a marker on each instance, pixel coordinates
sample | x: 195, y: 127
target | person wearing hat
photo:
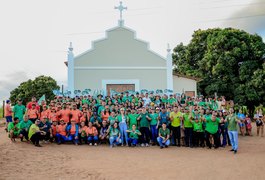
x: 24, y: 128
x: 61, y: 132
x: 13, y: 129
x: 19, y: 110
x: 8, y: 113
x: 72, y: 132
x: 35, y: 134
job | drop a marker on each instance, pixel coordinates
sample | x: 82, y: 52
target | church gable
x: 120, y: 48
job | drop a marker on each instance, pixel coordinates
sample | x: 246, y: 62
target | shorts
x: 8, y: 119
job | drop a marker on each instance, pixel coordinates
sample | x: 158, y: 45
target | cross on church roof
x: 120, y: 8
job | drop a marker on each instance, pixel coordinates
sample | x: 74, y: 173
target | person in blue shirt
x: 45, y: 126
x: 163, y: 117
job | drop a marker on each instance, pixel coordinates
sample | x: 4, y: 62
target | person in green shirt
x: 144, y: 127
x: 133, y: 136
x: 123, y: 120
x: 198, y: 133
x: 212, y: 123
x: 19, y: 110
x: 112, y: 118
x: 114, y: 135
x: 13, y: 129
x: 171, y: 100
x: 24, y: 128
x: 35, y: 134
x: 154, y: 125
x: 132, y: 118
x: 176, y: 118
x: 163, y: 136
x: 188, y: 129
x: 233, y: 120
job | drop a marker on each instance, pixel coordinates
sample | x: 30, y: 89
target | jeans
x: 188, y: 136
x: 161, y: 143
x: 91, y: 139
x: 71, y: 137
x: 113, y: 140
x: 145, y: 138
x: 132, y: 141
x: 123, y: 128
x: 154, y: 133
x: 198, y: 139
x: 233, y: 136
x: 35, y: 138
x: 25, y: 134
x: 60, y: 138
x: 176, y: 135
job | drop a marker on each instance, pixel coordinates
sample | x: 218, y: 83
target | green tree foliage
x: 37, y: 87
x: 229, y: 62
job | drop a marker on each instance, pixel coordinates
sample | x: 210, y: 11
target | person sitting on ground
x: 133, y: 136
x: 163, y: 136
x: 82, y: 133
x: 72, y: 132
x: 92, y: 134
x: 13, y: 129
x: 103, y: 135
x: 61, y: 132
x: 114, y: 135
x: 35, y: 134
x: 45, y: 126
x: 24, y: 128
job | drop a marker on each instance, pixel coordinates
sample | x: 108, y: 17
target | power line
x: 234, y: 18
x: 234, y: 5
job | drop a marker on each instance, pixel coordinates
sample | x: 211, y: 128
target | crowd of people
x: 140, y: 119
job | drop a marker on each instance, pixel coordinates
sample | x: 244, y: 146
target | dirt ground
x: 25, y: 161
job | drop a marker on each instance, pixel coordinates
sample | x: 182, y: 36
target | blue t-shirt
x: 164, y: 118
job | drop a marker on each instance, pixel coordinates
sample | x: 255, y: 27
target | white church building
x: 122, y: 62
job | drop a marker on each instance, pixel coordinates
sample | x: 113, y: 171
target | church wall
x: 181, y: 84
x: 148, y: 79
x: 120, y: 49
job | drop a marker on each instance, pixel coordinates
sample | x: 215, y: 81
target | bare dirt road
x: 25, y: 161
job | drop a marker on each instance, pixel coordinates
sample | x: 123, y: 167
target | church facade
x: 122, y: 62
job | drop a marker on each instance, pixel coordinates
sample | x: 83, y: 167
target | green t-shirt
x: 120, y: 119
x: 14, y: 127
x: 25, y: 125
x: 201, y: 103
x: 153, y: 119
x: 111, y: 120
x: 114, y: 132
x: 176, y: 119
x: 164, y: 133
x: 144, y: 121
x: 32, y: 130
x: 212, y: 126
x: 187, y: 123
x: 19, y: 111
x: 134, y: 134
x: 164, y: 100
x: 100, y: 109
x: 133, y: 119
x: 232, y: 123
x: 172, y: 100
x: 197, y: 126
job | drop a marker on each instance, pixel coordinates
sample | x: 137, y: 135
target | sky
x: 35, y: 34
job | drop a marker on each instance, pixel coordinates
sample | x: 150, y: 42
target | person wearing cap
x: 61, y: 132
x: 72, y: 132
x: 92, y: 134
x: 163, y: 136
x: 19, y: 110
x: 35, y: 134
x: 45, y: 126
x: 123, y: 120
x: 33, y: 113
x: 176, y: 118
x: 96, y: 120
x: 13, y: 129
x: 8, y: 113
x: 24, y: 128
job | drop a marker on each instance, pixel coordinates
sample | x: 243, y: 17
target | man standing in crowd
x: 19, y: 110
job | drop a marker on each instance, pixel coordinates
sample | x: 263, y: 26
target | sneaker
x: 161, y: 147
x: 166, y: 146
x: 142, y: 145
x: 111, y: 146
x: 235, y: 151
x: 90, y: 144
x: 147, y: 145
x: 95, y: 144
x: 232, y: 150
x: 38, y: 145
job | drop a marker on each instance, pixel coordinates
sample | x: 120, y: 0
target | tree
x: 37, y: 87
x: 229, y: 62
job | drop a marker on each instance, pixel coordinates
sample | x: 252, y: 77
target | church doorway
x: 120, y: 87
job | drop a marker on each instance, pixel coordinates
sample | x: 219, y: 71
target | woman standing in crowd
x: 123, y: 120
